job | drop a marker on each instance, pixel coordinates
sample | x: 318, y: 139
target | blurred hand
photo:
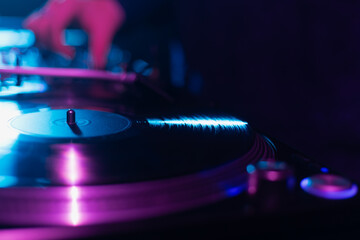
x: 99, y: 18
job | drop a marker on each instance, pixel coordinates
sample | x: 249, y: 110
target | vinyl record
x: 127, y: 169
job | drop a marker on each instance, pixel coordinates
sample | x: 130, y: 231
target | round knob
x: 329, y: 186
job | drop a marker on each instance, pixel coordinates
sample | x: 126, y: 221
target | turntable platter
x: 53, y: 124
x: 112, y: 147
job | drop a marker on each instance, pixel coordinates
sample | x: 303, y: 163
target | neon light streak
x: 201, y: 122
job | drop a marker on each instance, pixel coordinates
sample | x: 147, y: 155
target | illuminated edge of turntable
x: 103, y: 204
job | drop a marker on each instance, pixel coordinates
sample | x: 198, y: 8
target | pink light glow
x: 72, y: 166
x: 70, y: 72
x: 72, y: 176
x: 74, y: 209
x: 273, y: 176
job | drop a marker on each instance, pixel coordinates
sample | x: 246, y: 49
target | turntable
x: 80, y: 173
x: 74, y: 165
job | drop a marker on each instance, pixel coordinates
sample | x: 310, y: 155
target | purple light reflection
x: 67, y: 165
x: 72, y: 166
x: 72, y: 177
x: 74, y: 211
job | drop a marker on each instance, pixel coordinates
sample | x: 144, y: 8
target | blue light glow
x: 250, y: 169
x: 75, y: 38
x: 16, y: 38
x: 140, y: 65
x: 8, y: 136
x: 270, y: 143
x: 23, y: 38
x: 7, y: 181
x: 34, y: 86
x: 324, y: 170
x: 201, y: 122
x: 234, y: 191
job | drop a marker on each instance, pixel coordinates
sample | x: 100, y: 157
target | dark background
x: 290, y: 68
